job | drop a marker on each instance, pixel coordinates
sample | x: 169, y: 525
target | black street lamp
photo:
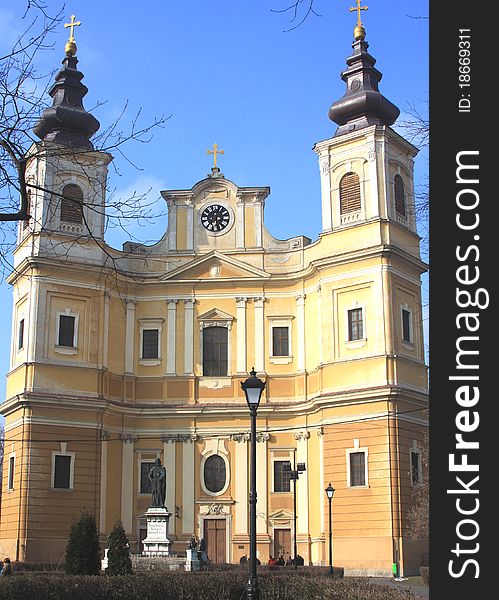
x: 330, y: 493
x: 253, y: 388
x: 293, y: 476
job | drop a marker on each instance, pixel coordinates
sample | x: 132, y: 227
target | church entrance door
x: 215, y: 537
x: 282, y: 543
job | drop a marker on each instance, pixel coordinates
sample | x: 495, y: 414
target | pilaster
x: 241, y: 335
x: 130, y: 336
x: 171, y: 337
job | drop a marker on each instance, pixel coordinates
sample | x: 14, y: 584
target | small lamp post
x: 293, y: 476
x: 330, y: 493
x: 253, y: 389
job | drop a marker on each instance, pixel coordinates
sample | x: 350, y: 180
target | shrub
x: 193, y: 586
x: 425, y: 574
x: 82, y: 550
x: 118, y: 555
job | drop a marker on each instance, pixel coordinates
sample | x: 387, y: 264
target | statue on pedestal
x: 157, y: 477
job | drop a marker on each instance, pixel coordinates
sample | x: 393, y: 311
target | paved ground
x: 421, y: 591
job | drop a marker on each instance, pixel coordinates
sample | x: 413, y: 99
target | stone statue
x: 157, y: 477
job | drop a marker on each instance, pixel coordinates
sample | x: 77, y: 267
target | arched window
x: 349, y: 193
x: 399, y: 195
x: 215, y: 351
x: 215, y: 474
x: 72, y: 204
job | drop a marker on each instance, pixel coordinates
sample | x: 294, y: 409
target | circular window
x: 214, y: 474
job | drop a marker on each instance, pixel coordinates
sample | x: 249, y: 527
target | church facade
x: 123, y: 357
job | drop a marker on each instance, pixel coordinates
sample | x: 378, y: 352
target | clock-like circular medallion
x: 215, y: 218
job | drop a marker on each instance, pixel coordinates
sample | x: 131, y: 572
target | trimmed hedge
x: 193, y: 586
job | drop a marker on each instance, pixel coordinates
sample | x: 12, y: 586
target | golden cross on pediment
x: 358, y: 8
x: 72, y: 24
x: 215, y: 151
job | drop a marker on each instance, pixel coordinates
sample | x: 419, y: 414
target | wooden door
x: 282, y: 543
x: 214, y: 535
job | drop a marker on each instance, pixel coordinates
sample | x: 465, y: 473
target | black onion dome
x: 66, y: 122
x: 363, y: 104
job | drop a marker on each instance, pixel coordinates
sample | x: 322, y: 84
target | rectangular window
x: 20, y: 337
x: 282, y: 471
x: 406, y: 325
x: 215, y: 351
x: 280, y: 341
x: 145, y: 482
x: 150, y: 339
x: 415, y: 468
x: 66, y: 331
x: 62, y: 471
x: 357, y: 469
x: 12, y: 464
x: 355, y: 324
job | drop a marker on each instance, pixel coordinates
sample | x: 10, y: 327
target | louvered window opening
x: 150, y: 338
x: 406, y: 326
x: 280, y: 341
x: 215, y: 351
x: 72, y: 204
x: 28, y: 208
x: 399, y: 195
x: 349, y: 193
x: 214, y: 474
x: 415, y: 474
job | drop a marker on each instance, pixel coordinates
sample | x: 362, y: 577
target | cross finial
x: 72, y: 24
x: 215, y: 151
x: 358, y: 8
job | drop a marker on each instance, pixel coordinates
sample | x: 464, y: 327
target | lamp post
x: 253, y: 388
x: 330, y: 493
x: 293, y: 476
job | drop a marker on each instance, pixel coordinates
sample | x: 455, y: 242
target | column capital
x: 130, y: 302
x: 241, y: 437
x: 190, y: 301
x: 259, y: 300
x: 300, y: 298
x: 262, y: 436
x: 302, y: 435
x: 241, y: 301
x: 171, y: 303
x: 105, y: 435
x: 128, y: 438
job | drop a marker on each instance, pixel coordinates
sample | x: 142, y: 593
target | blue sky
x: 227, y: 73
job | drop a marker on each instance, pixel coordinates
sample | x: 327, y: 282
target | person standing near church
x: 7, y: 568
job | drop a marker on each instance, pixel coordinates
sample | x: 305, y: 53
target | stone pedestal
x: 193, y: 563
x: 156, y: 542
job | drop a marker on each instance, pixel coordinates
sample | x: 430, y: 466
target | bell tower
x: 66, y: 176
x: 366, y: 167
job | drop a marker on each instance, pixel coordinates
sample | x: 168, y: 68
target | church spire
x: 363, y: 104
x: 67, y: 122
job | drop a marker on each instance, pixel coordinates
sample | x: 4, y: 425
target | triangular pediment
x: 216, y: 266
x: 281, y: 515
x: 215, y: 314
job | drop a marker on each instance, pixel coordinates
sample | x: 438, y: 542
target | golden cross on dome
x: 215, y: 151
x: 72, y: 24
x: 358, y: 8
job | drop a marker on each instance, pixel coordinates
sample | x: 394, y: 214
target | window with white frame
x: 416, y: 470
x: 214, y: 474
x: 406, y: 320
x: 282, y: 475
x: 20, y: 335
x: 11, y: 472
x: 62, y: 470
x: 280, y: 339
x: 355, y: 324
x: 357, y: 474
x: 150, y: 340
x: 67, y: 332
